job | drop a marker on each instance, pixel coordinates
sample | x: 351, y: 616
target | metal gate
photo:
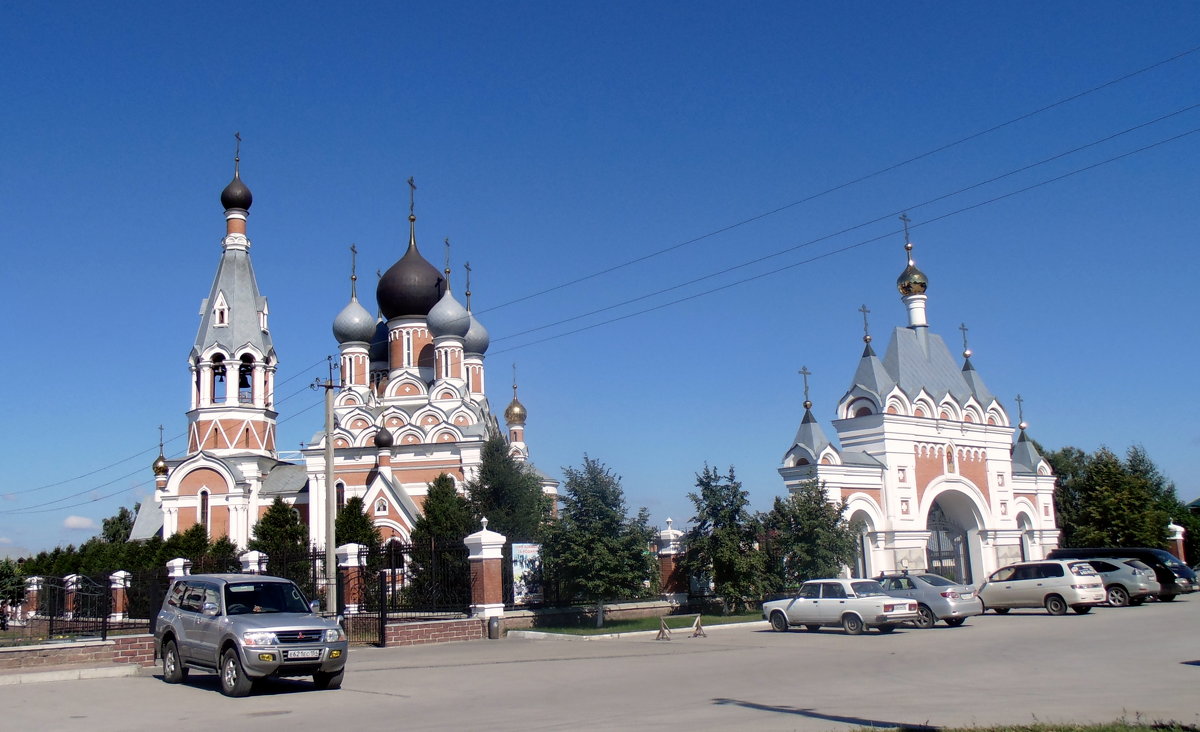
x: 403, y: 582
x: 946, y: 551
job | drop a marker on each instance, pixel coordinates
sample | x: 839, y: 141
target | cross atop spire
x: 412, y: 196
x: 866, y: 325
x: 906, y: 220
x: 514, y: 380
x: 1021, y: 412
x: 237, y: 152
x: 353, y: 271
x: 966, y: 349
x: 467, y: 267
x: 804, y: 372
x: 160, y: 439
x: 447, y: 269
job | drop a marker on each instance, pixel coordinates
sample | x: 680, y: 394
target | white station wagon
x: 854, y: 604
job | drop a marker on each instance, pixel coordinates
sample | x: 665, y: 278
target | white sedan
x: 854, y: 604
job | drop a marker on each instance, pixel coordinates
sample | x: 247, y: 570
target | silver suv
x: 245, y: 628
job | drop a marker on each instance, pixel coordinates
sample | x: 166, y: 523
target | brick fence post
x: 349, y: 558
x: 485, y: 550
x: 253, y: 562
x: 671, y: 579
x: 1176, y: 541
x: 119, y: 586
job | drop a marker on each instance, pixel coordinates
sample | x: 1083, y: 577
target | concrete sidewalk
x: 70, y: 672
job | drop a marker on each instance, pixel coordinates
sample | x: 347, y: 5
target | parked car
x: 1175, y: 577
x: 854, y: 604
x: 1054, y: 585
x: 937, y: 597
x: 1126, y: 581
x: 245, y: 628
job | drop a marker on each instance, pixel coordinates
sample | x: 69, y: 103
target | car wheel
x: 1118, y: 596
x: 779, y: 622
x: 174, y: 672
x: 812, y: 628
x: 234, y: 681
x: 925, y: 617
x: 1081, y: 609
x: 1001, y: 610
x: 955, y: 622
x: 852, y: 624
x: 1055, y: 605
x: 323, y: 680
x: 885, y: 629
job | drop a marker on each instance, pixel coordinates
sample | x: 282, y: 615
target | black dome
x: 236, y: 195
x: 383, y: 438
x: 411, y: 287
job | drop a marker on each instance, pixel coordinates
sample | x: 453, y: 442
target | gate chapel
x: 410, y: 404
x: 925, y: 459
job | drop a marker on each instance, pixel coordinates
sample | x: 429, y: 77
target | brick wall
x: 137, y: 649
x: 435, y: 631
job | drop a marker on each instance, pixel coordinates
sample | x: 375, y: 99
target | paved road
x: 1133, y: 663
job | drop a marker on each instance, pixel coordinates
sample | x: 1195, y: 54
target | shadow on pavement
x: 830, y: 717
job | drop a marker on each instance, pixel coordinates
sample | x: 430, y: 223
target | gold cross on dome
x: 805, y: 373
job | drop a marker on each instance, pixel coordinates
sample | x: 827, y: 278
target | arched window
x: 246, y: 380
x: 218, y: 376
x: 202, y: 511
x: 341, y: 495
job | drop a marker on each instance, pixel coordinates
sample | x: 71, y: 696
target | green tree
x: 1138, y: 463
x: 279, y: 533
x: 1116, y: 507
x: 191, y: 544
x: 1069, y: 465
x: 117, y: 528
x: 12, y: 581
x: 353, y: 525
x: 437, y: 560
x: 508, y: 493
x: 805, y: 536
x: 720, y: 544
x: 594, y: 550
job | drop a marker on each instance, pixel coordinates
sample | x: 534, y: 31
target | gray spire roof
x: 872, y: 376
x: 917, y: 359
x: 810, y: 436
x: 975, y: 382
x: 1025, y: 457
x: 236, y: 285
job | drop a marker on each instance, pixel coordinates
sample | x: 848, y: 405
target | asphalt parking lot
x: 1139, y: 664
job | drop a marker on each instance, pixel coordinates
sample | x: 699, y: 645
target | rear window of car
x: 1082, y: 569
x: 867, y: 588
x: 936, y: 580
x: 1137, y: 564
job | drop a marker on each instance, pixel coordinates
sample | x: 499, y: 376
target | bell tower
x: 233, y: 361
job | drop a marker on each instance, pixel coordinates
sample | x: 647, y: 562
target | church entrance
x: 946, y: 553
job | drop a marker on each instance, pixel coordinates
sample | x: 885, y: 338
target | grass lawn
x: 674, y: 622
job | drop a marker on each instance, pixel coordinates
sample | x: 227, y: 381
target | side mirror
x: 314, y: 606
x: 210, y: 609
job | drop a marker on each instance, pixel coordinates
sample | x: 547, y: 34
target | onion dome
x: 379, y: 343
x: 477, y: 339
x: 354, y: 323
x: 911, y: 281
x: 448, y: 317
x: 515, y: 413
x: 383, y: 438
x: 412, y: 286
x: 236, y: 194
x: 160, y: 466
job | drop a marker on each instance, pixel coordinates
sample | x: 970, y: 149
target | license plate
x: 967, y: 595
x: 313, y: 653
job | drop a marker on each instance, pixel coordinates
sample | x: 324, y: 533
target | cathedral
x: 408, y: 405
x: 925, y: 459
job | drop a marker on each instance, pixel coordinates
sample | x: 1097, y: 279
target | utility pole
x: 331, y: 601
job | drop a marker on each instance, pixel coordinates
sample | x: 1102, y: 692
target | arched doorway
x: 861, y: 523
x: 1025, y: 524
x: 947, y: 552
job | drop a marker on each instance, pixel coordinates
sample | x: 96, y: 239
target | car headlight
x: 334, y: 634
x: 259, y: 638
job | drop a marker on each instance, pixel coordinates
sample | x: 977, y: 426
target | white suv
x: 1054, y: 585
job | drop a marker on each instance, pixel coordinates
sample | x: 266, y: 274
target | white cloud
x: 5, y: 540
x: 79, y: 522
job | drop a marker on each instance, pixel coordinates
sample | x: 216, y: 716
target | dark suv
x: 244, y: 628
x: 1175, y: 577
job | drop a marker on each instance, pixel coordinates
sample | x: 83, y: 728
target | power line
x: 847, y: 184
x: 857, y: 244
x: 847, y: 230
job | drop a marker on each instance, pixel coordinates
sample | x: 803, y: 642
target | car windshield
x: 937, y: 580
x: 264, y: 597
x: 867, y: 588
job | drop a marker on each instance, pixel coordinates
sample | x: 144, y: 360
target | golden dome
x: 515, y: 413
x: 160, y: 465
x: 911, y: 281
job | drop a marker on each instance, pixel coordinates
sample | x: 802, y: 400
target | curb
x: 71, y: 674
x: 541, y: 635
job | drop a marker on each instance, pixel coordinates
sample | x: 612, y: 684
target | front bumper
x: 294, y: 660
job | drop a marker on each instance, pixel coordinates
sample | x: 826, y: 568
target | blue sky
x: 552, y: 141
